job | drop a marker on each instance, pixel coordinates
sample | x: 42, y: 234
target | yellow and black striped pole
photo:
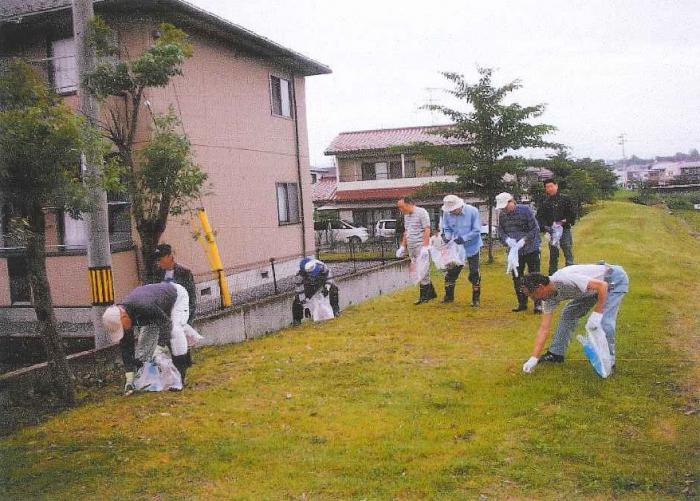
x: 101, y: 285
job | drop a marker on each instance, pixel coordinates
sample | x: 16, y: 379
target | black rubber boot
x: 449, y: 293
x: 431, y: 293
x: 421, y: 297
x: 476, y: 297
x: 522, y: 303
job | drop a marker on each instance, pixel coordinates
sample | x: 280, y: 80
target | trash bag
x: 597, y: 351
x: 451, y: 255
x: 555, y: 235
x: 158, y: 374
x: 320, y: 307
x: 193, y: 337
x: 513, y: 260
x: 420, y: 266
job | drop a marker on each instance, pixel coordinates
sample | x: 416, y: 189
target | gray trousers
x: 567, y: 244
x: 618, y: 285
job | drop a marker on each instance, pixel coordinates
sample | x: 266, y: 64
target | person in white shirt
x: 597, y: 286
x: 416, y: 240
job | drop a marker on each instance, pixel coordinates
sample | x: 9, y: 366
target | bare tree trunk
x: 43, y: 306
x: 149, y: 241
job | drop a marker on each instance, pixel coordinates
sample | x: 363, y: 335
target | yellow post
x: 214, y: 258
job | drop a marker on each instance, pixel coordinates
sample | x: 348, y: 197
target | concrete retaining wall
x: 274, y: 313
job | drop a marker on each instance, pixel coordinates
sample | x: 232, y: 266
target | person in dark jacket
x: 154, y: 308
x: 557, y: 209
x: 517, y: 226
x: 313, y: 276
x: 169, y: 271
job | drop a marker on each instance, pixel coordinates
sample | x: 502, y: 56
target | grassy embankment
x: 392, y: 400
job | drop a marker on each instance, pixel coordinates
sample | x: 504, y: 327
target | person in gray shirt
x: 600, y: 287
x: 416, y: 239
x: 150, y: 307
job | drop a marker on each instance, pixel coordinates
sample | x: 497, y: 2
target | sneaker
x: 519, y: 308
x: 552, y: 357
x: 538, y: 310
x: 129, y: 389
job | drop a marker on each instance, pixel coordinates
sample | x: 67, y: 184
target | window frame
x: 288, y: 221
x: 290, y: 90
x: 65, y: 90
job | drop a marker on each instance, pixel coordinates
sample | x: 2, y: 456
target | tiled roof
x: 374, y: 194
x: 323, y: 190
x: 16, y: 11
x: 381, y: 139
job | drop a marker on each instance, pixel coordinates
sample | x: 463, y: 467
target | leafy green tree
x: 161, y: 178
x: 40, y: 144
x: 485, y: 137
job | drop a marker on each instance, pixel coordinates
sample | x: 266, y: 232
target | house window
x: 281, y: 91
x: 64, y: 66
x: 395, y: 171
x: 409, y: 168
x: 288, y: 203
x: 368, y: 173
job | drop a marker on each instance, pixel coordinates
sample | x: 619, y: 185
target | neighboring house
x: 321, y: 173
x: 377, y: 167
x: 242, y: 104
x: 690, y: 170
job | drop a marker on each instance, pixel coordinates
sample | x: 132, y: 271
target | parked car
x: 385, y: 228
x: 339, y: 231
x: 485, y: 231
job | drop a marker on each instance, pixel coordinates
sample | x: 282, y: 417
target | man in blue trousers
x: 600, y: 287
x: 461, y: 222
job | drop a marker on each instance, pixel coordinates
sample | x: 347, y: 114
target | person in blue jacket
x: 461, y: 222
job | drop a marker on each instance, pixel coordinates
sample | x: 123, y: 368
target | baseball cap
x: 162, y: 250
x: 502, y: 199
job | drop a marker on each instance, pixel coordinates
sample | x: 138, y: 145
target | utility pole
x: 98, y: 250
x: 621, y: 142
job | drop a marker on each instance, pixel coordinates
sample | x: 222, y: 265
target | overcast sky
x: 603, y: 67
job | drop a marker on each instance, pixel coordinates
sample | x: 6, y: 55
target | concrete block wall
x: 271, y: 314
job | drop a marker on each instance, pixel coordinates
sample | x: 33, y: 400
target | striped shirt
x: 415, y: 223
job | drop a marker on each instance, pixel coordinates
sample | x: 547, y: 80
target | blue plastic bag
x: 597, y: 351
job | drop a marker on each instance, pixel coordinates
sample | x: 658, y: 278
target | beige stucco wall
x: 223, y: 100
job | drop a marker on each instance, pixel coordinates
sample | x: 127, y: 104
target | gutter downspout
x: 302, y: 219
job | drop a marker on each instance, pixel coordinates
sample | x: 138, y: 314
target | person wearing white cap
x: 461, y: 223
x: 518, y: 228
x: 160, y: 311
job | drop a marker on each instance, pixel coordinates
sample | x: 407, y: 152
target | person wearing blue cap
x: 313, y: 276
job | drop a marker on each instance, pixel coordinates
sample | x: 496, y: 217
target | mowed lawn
x: 397, y: 401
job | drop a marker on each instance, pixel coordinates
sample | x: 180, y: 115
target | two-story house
x: 377, y: 167
x: 241, y: 101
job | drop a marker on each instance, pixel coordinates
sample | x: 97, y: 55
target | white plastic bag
x: 193, y: 337
x: 597, y: 351
x: 555, y: 235
x: 420, y: 266
x: 158, y: 374
x: 452, y: 255
x: 320, y: 307
x: 513, y: 258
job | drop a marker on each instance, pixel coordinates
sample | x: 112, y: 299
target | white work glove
x: 595, y: 320
x: 520, y: 243
x: 400, y: 252
x: 530, y: 364
x: 510, y: 242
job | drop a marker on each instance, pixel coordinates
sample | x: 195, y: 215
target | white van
x: 385, y: 228
x: 339, y: 231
